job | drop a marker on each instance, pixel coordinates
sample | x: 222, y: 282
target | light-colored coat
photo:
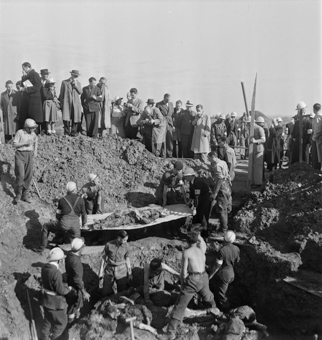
x: 9, y: 112
x: 201, y: 135
x: 104, y: 119
x: 70, y: 96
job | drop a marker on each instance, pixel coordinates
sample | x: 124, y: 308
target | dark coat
x: 274, y: 144
x: 69, y: 98
x: 31, y: 106
x: 167, y: 111
x: 184, y: 122
x: 90, y: 104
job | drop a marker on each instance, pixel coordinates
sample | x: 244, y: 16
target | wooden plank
x: 2, y: 139
x: 309, y: 284
x: 251, y: 135
x: 177, y: 211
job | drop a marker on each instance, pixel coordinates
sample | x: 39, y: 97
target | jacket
x: 137, y: 109
x: 218, y: 129
x: 184, y: 122
x: 201, y: 135
x: 69, y: 97
x: 167, y: 111
x: 52, y: 281
x: 90, y: 104
x: 9, y: 111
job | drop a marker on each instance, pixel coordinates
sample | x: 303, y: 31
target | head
x: 92, y: 81
x: 26, y: 67
x: 189, y: 105
x: 51, y: 86
x: 166, y: 98
x: 77, y: 245
x: 178, y: 167
x: 30, y: 125
x: 293, y: 120
x: 148, y: 110
x: 103, y: 81
x: 150, y: 102
x: 260, y: 121
x: 189, y: 174
x: 301, y: 107
x: 192, y: 237
x: 71, y: 187
x: 92, y: 178
x: 9, y: 85
x: 133, y: 93
x: 279, y: 121
x: 213, y: 157
x: 56, y: 255
x: 179, y: 104
x: 122, y: 237
x: 156, y: 266
x: 230, y: 236
x: 233, y: 115
x: 199, y: 109
x: 117, y: 101
x: 286, y: 130
x: 221, y: 117
x: 222, y: 141
x: 18, y: 85
x: 74, y: 74
x: 128, y: 96
x: 316, y: 108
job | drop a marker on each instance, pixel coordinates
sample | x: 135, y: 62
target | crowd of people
x: 168, y: 131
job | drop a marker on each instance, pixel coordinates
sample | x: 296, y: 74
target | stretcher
x: 176, y: 211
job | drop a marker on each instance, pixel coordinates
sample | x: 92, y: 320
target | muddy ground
x: 283, y: 223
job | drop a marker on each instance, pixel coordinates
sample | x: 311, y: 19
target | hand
x: 93, y: 96
x: 252, y: 140
x: 86, y: 296
x: 129, y: 105
x: 84, y: 225
x: 152, y: 121
x: 27, y: 143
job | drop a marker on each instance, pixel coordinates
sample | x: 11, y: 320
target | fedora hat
x: 150, y: 101
x: 117, y: 98
x: 75, y: 72
x: 44, y: 71
x: 51, y: 81
x: 189, y: 103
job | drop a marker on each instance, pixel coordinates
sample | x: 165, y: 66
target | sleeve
x: 58, y: 284
x: 167, y: 179
x: 17, y: 137
x: 126, y: 255
x: 36, y: 82
x: 213, y: 139
x: 217, y: 173
x: 78, y: 275
x: 319, y: 127
x: 83, y: 98
x: 220, y: 257
x: 207, y: 126
x: 141, y: 122
x: 105, y: 252
x: 78, y: 87
x: 139, y: 109
x: 62, y: 90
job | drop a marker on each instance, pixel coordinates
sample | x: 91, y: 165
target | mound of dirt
x: 288, y: 214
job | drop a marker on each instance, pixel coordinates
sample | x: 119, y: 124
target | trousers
x: 57, y: 226
x: 202, y: 156
x: 223, y: 207
x: 23, y: 168
x: 186, y: 146
x: 177, y: 149
x: 219, y: 285
x: 258, y: 168
x: 91, y: 119
x: 169, y: 141
x: 194, y: 284
x: 108, y: 282
x: 54, y: 324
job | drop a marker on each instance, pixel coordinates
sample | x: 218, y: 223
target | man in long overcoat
x: 104, y: 119
x: 31, y: 106
x: 8, y: 109
x: 70, y: 102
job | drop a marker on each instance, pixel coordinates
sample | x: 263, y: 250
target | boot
x: 25, y: 196
x: 18, y: 194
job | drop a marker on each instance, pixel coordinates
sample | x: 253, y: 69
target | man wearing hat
x: 231, y: 124
x: 218, y: 129
x: 295, y: 156
x: 178, y: 111
x: 229, y: 156
x: 194, y: 280
x: 154, y: 283
x: 70, y: 208
x: 44, y: 76
x: 74, y: 272
x: 223, y: 271
x: 9, y: 110
x: 93, y: 195
x: 153, y: 127
x: 317, y: 137
x: 104, y: 120
x: 133, y: 109
x: 199, y: 194
x: 31, y: 106
x: 258, y: 140
x: 221, y: 192
x: 71, y: 106
x: 54, y: 292
x: 25, y: 143
x: 307, y: 137
x: 166, y: 109
x: 244, y: 136
x: 117, y: 117
x: 184, y: 124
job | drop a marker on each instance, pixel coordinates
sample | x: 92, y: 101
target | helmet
x: 30, y: 123
x: 222, y: 116
x: 301, y: 105
x: 71, y: 186
x: 189, y: 172
x: 51, y: 81
x: 56, y: 254
x: 279, y: 119
x: 249, y: 119
x: 233, y: 114
x: 260, y: 119
x: 230, y: 236
x: 178, y: 165
x: 117, y: 98
x: 77, y: 243
x: 92, y: 177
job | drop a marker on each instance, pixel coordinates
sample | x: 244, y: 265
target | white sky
x: 197, y: 50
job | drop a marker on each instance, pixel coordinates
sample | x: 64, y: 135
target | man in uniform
x: 317, y: 137
x: 93, y: 195
x: 154, y: 283
x: 74, y: 271
x: 223, y: 270
x: 218, y: 129
x: 258, y: 140
x: 221, y: 193
x: 54, y: 292
x: 194, y: 280
x: 70, y: 208
x: 115, y: 264
x: 199, y: 194
x: 26, y: 144
x: 229, y: 156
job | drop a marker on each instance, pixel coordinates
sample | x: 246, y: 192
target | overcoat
x: 201, y: 135
x: 70, y: 96
x: 31, y: 106
x: 104, y: 119
x: 9, y: 112
x: 273, y: 153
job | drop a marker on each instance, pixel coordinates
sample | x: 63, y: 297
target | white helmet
x: 233, y: 114
x: 77, y: 244
x: 56, y: 254
x: 279, y: 119
x: 260, y: 119
x: 222, y: 116
x: 30, y: 123
x: 92, y: 177
x: 71, y: 186
x: 301, y: 105
x: 230, y: 236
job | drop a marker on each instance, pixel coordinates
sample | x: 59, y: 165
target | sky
x: 196, y: 50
